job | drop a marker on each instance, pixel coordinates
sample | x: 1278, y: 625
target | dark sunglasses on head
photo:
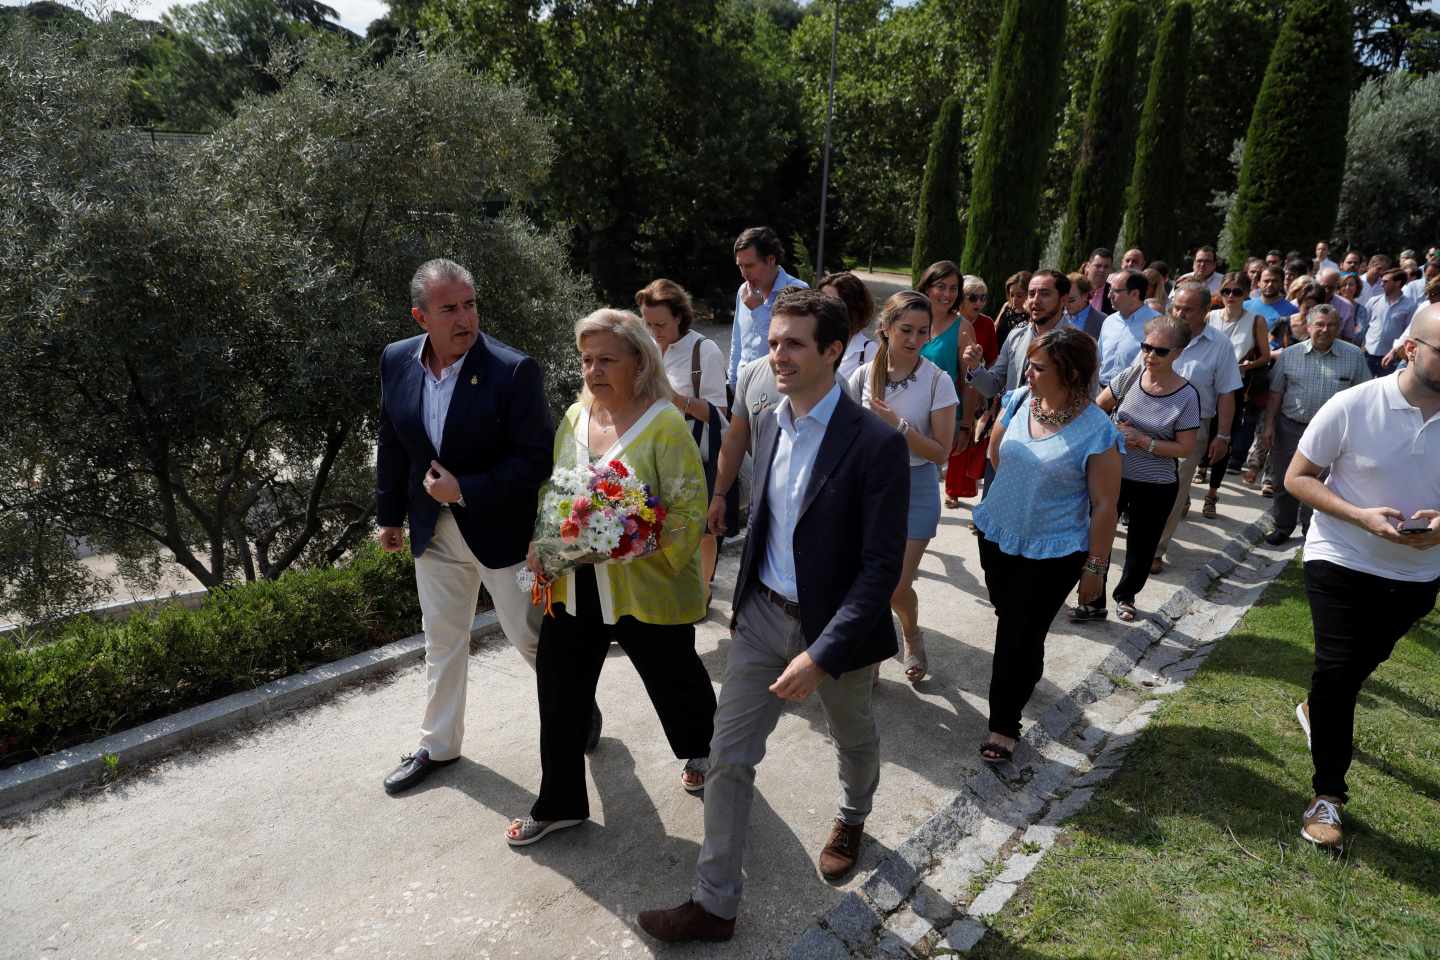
x: 1158, y: 351
x: 977, y: 297
x: 1231, y: 292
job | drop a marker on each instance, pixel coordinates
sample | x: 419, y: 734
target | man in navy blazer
x: 823, y: 555
x: 465, y: 444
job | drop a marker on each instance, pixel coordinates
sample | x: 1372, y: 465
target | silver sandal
x: 696, y: 766
x: 532, y: 831
x: 915, y: 658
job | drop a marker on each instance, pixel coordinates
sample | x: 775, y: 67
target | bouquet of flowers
x: 593, y: 513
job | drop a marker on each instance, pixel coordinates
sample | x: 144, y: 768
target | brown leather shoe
x: 689, y: 921
x: 841, y: 851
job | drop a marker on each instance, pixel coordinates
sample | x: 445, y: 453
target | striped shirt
x: 1304, y: 378
x: 1160, y: 416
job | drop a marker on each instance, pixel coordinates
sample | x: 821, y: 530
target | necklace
x: 1060, y: 417
x: 903, y: 381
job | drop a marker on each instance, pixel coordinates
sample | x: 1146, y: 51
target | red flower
x: 611, y: 488
x: 619, y: 468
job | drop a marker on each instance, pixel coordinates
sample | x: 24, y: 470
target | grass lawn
x: 1193, y: 849
x: 880, y: 265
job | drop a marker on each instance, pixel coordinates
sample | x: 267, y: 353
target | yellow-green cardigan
x: 665, y: 587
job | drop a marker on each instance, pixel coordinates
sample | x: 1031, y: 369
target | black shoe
x: 1083, y: 612
x: 413, y: 768
x: 592, y: 739
x: 1277, y: 537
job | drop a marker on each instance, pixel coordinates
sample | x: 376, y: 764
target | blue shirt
x: 1120, y: 339
x: 1039, y: 502
x: 750, y: 333
x: 1387, y: 321
x: 795, y: 450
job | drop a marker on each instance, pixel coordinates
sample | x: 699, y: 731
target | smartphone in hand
x: 1415, y: 525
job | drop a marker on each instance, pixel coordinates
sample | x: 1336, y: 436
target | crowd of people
x: 1090, y: 402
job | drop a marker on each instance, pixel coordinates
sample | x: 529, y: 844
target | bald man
x: 1371, y: 570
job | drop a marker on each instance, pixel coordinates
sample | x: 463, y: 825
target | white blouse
x: 1241, y: 333
x: 712, y: 369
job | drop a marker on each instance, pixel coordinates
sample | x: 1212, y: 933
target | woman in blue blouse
x: 1050, y: 517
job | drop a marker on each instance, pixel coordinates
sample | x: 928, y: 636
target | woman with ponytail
x: 918, y: 399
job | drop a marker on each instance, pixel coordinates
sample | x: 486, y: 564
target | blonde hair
x: 896, y: 307
x: 650, y: 381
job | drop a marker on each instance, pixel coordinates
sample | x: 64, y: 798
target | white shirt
x: 1415, y: 289
x: 795, y: 452
x: 860, y: 350
x: 1213, y: 282
x: 712, y: 369
x: 1241, y: 333
x: 1369, y: 291
x: 1325, y: 264
x: 913, y: 399
x: 1380, y: 454
x: 1208, y: 362
x: 435, y: 397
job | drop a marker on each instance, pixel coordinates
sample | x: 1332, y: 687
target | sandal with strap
x: 992, y: 752
x: 952, y: 503
x: 1208, y: 510
x: 528, y: 831
x: 1125, y: 612
x: 692, y: 777
x: 916, y: 663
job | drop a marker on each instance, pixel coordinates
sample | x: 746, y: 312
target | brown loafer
x: 841, y: 851
x: 689, y: 921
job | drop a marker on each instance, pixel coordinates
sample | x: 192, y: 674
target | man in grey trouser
x: 825, y: 547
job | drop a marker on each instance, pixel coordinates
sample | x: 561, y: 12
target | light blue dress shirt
x: 1387, y: 321
x: 1120, y: 339
x: 750, y: 333
x: 795, y: 450
x: 435, y: 398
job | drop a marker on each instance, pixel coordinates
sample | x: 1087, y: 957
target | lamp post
x: 825, y: 162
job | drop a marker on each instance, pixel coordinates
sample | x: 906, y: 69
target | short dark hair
x: 1074, y: 353
x: 1062, y: 282
x: 763, y: 240
x: 1274, y: 253
x: 859, y: 304
x: 1100, y: 252
x: 1297, y: 266
x: 1395, y: 273
x: 1272, y: 268
x: 1206, y: 249
x: 1160, y: 267
x: 1135, y: 282
x: 832, y: 322
x: 672, y: 296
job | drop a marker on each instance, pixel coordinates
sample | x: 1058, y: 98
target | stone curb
x: 998, y: 830
x: 25, y: 785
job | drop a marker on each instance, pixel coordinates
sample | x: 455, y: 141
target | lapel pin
x: 475, y: 380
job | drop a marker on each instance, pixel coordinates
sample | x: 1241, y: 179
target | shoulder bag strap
x: 695, y: 368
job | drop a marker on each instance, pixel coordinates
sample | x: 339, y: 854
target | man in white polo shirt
x: 1369, y: 575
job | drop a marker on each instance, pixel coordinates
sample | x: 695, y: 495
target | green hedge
x: 100, y: 676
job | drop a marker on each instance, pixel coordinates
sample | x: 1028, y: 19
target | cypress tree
x: 1107, y: 149
x: 937, y: 225
x: 1294, y: 159
x: 1022, y: 109
x: 1151, y: 219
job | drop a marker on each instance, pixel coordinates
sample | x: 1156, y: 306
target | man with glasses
x: 1390, y: 314
x: 1204, y: 267
x: 1124, y: 330
x: 1208, y: 362
x: 1369, y: 574
x: 1305, y: 376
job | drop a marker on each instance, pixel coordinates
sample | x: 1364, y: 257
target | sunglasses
x: 1231, y: 292
x: 1158, y: 351
x: 977, y: 297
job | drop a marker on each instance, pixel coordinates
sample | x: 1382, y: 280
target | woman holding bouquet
x: 648, y: 605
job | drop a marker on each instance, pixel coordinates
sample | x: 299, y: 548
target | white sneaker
x: 1302, y: 713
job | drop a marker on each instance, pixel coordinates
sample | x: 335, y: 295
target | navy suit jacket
x: 498, y: 441
x: 849, y: 540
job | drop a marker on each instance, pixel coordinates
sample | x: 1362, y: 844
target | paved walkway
x: 278, y: 841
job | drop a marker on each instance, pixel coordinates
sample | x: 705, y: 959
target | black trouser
x: 1358, y: 618
x: 1026, y: 595
x: 1249, y: 420
x: 1149, y: 506
x: 567, y: 669
x: 1287, y: 510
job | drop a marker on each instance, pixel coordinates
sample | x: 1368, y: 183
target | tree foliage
x: 1295, y: 148
x: 1151, y: 221
x: 191, y: 330
x: 1097, y: 190
x: 1020, y: 118
x: 937, y: 225
x: 1390, y: 197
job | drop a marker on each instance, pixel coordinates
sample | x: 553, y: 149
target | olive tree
x: 192, y: 329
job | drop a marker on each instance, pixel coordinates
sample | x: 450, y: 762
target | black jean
x: 567, y: 668
x: 1026, y: 595
x: 1358, y: 618
x: 1149, y: 506
x: 1286, y: 509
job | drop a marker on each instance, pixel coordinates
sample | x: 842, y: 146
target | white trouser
x: 448, y: 578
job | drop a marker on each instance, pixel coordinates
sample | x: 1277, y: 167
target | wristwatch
x: 1223, y: 436
x: 1150, y: 447
x: 903, y: 426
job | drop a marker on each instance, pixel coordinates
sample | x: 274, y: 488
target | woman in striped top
x: 1158, y: 412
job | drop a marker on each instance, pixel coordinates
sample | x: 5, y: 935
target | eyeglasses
x: 1158, y: 351
x: 1427, y: 343
x: 1231, y: 292
x: 977, y: 297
